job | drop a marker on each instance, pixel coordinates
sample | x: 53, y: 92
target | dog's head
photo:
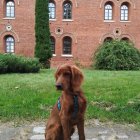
x: 68, y: 78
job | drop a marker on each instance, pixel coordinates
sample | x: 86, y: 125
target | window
x: 108, y: 39
x: 67, y: 42
x: 52, y: 44
x: 124, y: 12
x: 51, y: 10
x: 125, y: 39
x: 9, y: 44
x: 108, y: 11
x: 67, y: 10
x: 10, y: 8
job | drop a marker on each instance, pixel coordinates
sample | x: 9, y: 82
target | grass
x: 111, y: 95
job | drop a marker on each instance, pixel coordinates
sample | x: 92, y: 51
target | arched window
x: 52, y: 44
x: 67, y: 43
x: 9, y: 44
x: 10, y: 8
x: 67, y: 10
x: 108, y: 39
x: 51, y: 10
x: 125, y: 39
x: 124, y: 12
x: 108, y: 11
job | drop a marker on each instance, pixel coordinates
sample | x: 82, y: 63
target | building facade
x: 17, y: 21
x: 77, y: 27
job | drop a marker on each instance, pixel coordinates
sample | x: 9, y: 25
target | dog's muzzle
x: 59, y: 86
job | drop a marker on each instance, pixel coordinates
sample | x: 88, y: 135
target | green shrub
x: 3, y: 67
x: 10, y: 63
x: 117, y: 55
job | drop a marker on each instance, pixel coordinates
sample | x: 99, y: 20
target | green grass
x: 112, y: 95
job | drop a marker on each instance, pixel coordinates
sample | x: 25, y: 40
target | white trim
x: 54, y: 55
x: 52, y: 19
x: 109, y: 21
x: 9, y: 18
x: 67, y: 55
x: 125, y: 21
x: 67, y: 20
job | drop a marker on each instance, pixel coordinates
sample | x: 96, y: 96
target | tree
x: 42, y: 32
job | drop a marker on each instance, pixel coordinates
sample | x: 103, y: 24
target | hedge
x: 10, y: 63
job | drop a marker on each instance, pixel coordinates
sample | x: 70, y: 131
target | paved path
x: 94, y: 131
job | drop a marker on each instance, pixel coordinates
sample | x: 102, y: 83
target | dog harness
x: 76, y: 106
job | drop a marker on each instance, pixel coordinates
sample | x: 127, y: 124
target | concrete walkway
x: 93, y: 131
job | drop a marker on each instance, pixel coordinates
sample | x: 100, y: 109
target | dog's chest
x: 70, y: 106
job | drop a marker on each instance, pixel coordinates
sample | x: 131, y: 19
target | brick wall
x: 87, y: 28
x: 22, y: 27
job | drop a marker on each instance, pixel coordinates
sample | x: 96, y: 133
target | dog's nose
x: 59, y: 86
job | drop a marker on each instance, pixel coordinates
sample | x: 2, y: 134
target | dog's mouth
x: 59, y: 87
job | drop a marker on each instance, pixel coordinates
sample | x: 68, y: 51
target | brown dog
x: 70, y: 108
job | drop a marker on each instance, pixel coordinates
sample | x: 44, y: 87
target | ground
x: 94, y: 130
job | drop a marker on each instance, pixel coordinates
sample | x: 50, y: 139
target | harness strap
x: 59, y: 104
x: 76, y: 106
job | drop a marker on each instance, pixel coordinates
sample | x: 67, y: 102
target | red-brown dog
x: 70, y: 107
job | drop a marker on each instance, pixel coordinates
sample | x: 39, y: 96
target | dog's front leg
x: 81, y: 132
x: 66, y: 129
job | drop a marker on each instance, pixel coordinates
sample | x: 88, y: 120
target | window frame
x: 52, y: 44
x: 52, y: 11
x: 108, y: 9
x: 124, y: 13
x: 9, y: 44
x: 67, y: 46
x: 10, y: 9
x: 68, y: 11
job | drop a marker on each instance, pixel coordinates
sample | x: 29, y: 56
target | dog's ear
x: 77, y: 78
x: 57, y: 72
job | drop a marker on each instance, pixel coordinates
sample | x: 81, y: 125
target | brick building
x: 77, y: 27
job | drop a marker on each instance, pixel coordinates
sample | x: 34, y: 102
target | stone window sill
x: 109, y: 21
x: 52, y: 19
x: 9, y: 18
x: 67, y: 20
x: 67, y: 55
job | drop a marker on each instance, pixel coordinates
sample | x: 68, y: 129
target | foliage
x: 117, y: 55
x: 42, y: 32
x: 10, y: 63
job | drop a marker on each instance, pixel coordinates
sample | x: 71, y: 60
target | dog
x: 70, y: 108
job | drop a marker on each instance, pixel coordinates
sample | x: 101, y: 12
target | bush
x: 117, y: 55
x: 10, y: 63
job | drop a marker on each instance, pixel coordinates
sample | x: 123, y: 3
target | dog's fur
x: 60, y: 125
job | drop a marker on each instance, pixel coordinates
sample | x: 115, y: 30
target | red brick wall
x: 22, y: 27
x: 87, y: 28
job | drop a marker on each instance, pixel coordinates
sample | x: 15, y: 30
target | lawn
x: 111, y: 95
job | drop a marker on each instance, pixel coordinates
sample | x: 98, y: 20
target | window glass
x: 52, y: 44
x: 108, y: 12
x: 51, y: 10
x: 67, y: 42
x: 124, y: 12
x: 10, y: 9
x: 10, y: 43
x: 67, y: 10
